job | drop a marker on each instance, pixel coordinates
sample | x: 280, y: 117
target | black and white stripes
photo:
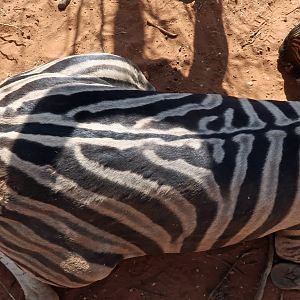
x: 95, y: 167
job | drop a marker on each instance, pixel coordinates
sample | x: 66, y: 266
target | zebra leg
x: 33, y: 289
x: 287, y: 275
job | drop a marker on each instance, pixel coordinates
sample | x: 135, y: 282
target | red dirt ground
x: 228, y: 47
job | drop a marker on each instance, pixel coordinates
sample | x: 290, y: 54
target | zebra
x: 96, y: 166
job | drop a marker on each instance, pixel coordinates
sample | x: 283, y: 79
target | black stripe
x: 264, y: 114
x: 287, y: 185
x: 230, y: 149
x: 290, y: 237
x: 249, y: 191
x: 19, y: 235
x: 128, y: 116
x: 288, y: 110
x: 292, y: 250
x: 61, y: 104
x: 194, y: 157
x: 38, y: 84
x: 36, y: 152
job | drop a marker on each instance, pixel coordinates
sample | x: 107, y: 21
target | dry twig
x: 260, y: 291
x: 215, y: 291
x: 7, y: 291
x: 13, y: 26
x: 6, y: 56
x: 164, y: 31
x: 11, y: 41
x: 292, y: 10
x: 254, y: 35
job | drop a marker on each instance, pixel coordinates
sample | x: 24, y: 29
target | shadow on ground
x: 209, y: 47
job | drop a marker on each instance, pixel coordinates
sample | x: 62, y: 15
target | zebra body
x: 96, y: 167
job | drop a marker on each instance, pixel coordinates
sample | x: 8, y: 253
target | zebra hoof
x: 286, y: 276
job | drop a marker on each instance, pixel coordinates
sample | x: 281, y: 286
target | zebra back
x: 98, y: 167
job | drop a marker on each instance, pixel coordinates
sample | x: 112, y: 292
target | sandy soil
x: 228, y: 47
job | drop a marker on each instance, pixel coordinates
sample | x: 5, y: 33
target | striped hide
x: 96, y: 167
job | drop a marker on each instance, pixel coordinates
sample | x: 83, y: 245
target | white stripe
x: 202, y: 176
x: 292, y: 217
x: 59, y: 120
x: 280, y: 118
x: 218, y: 151
x: 56, y: 141
x: 254, y: 121
x: 125, y: 103
x: 210, y: 101
x: 226, y: 207
x: 268, y: 187
x: 296, y: 107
